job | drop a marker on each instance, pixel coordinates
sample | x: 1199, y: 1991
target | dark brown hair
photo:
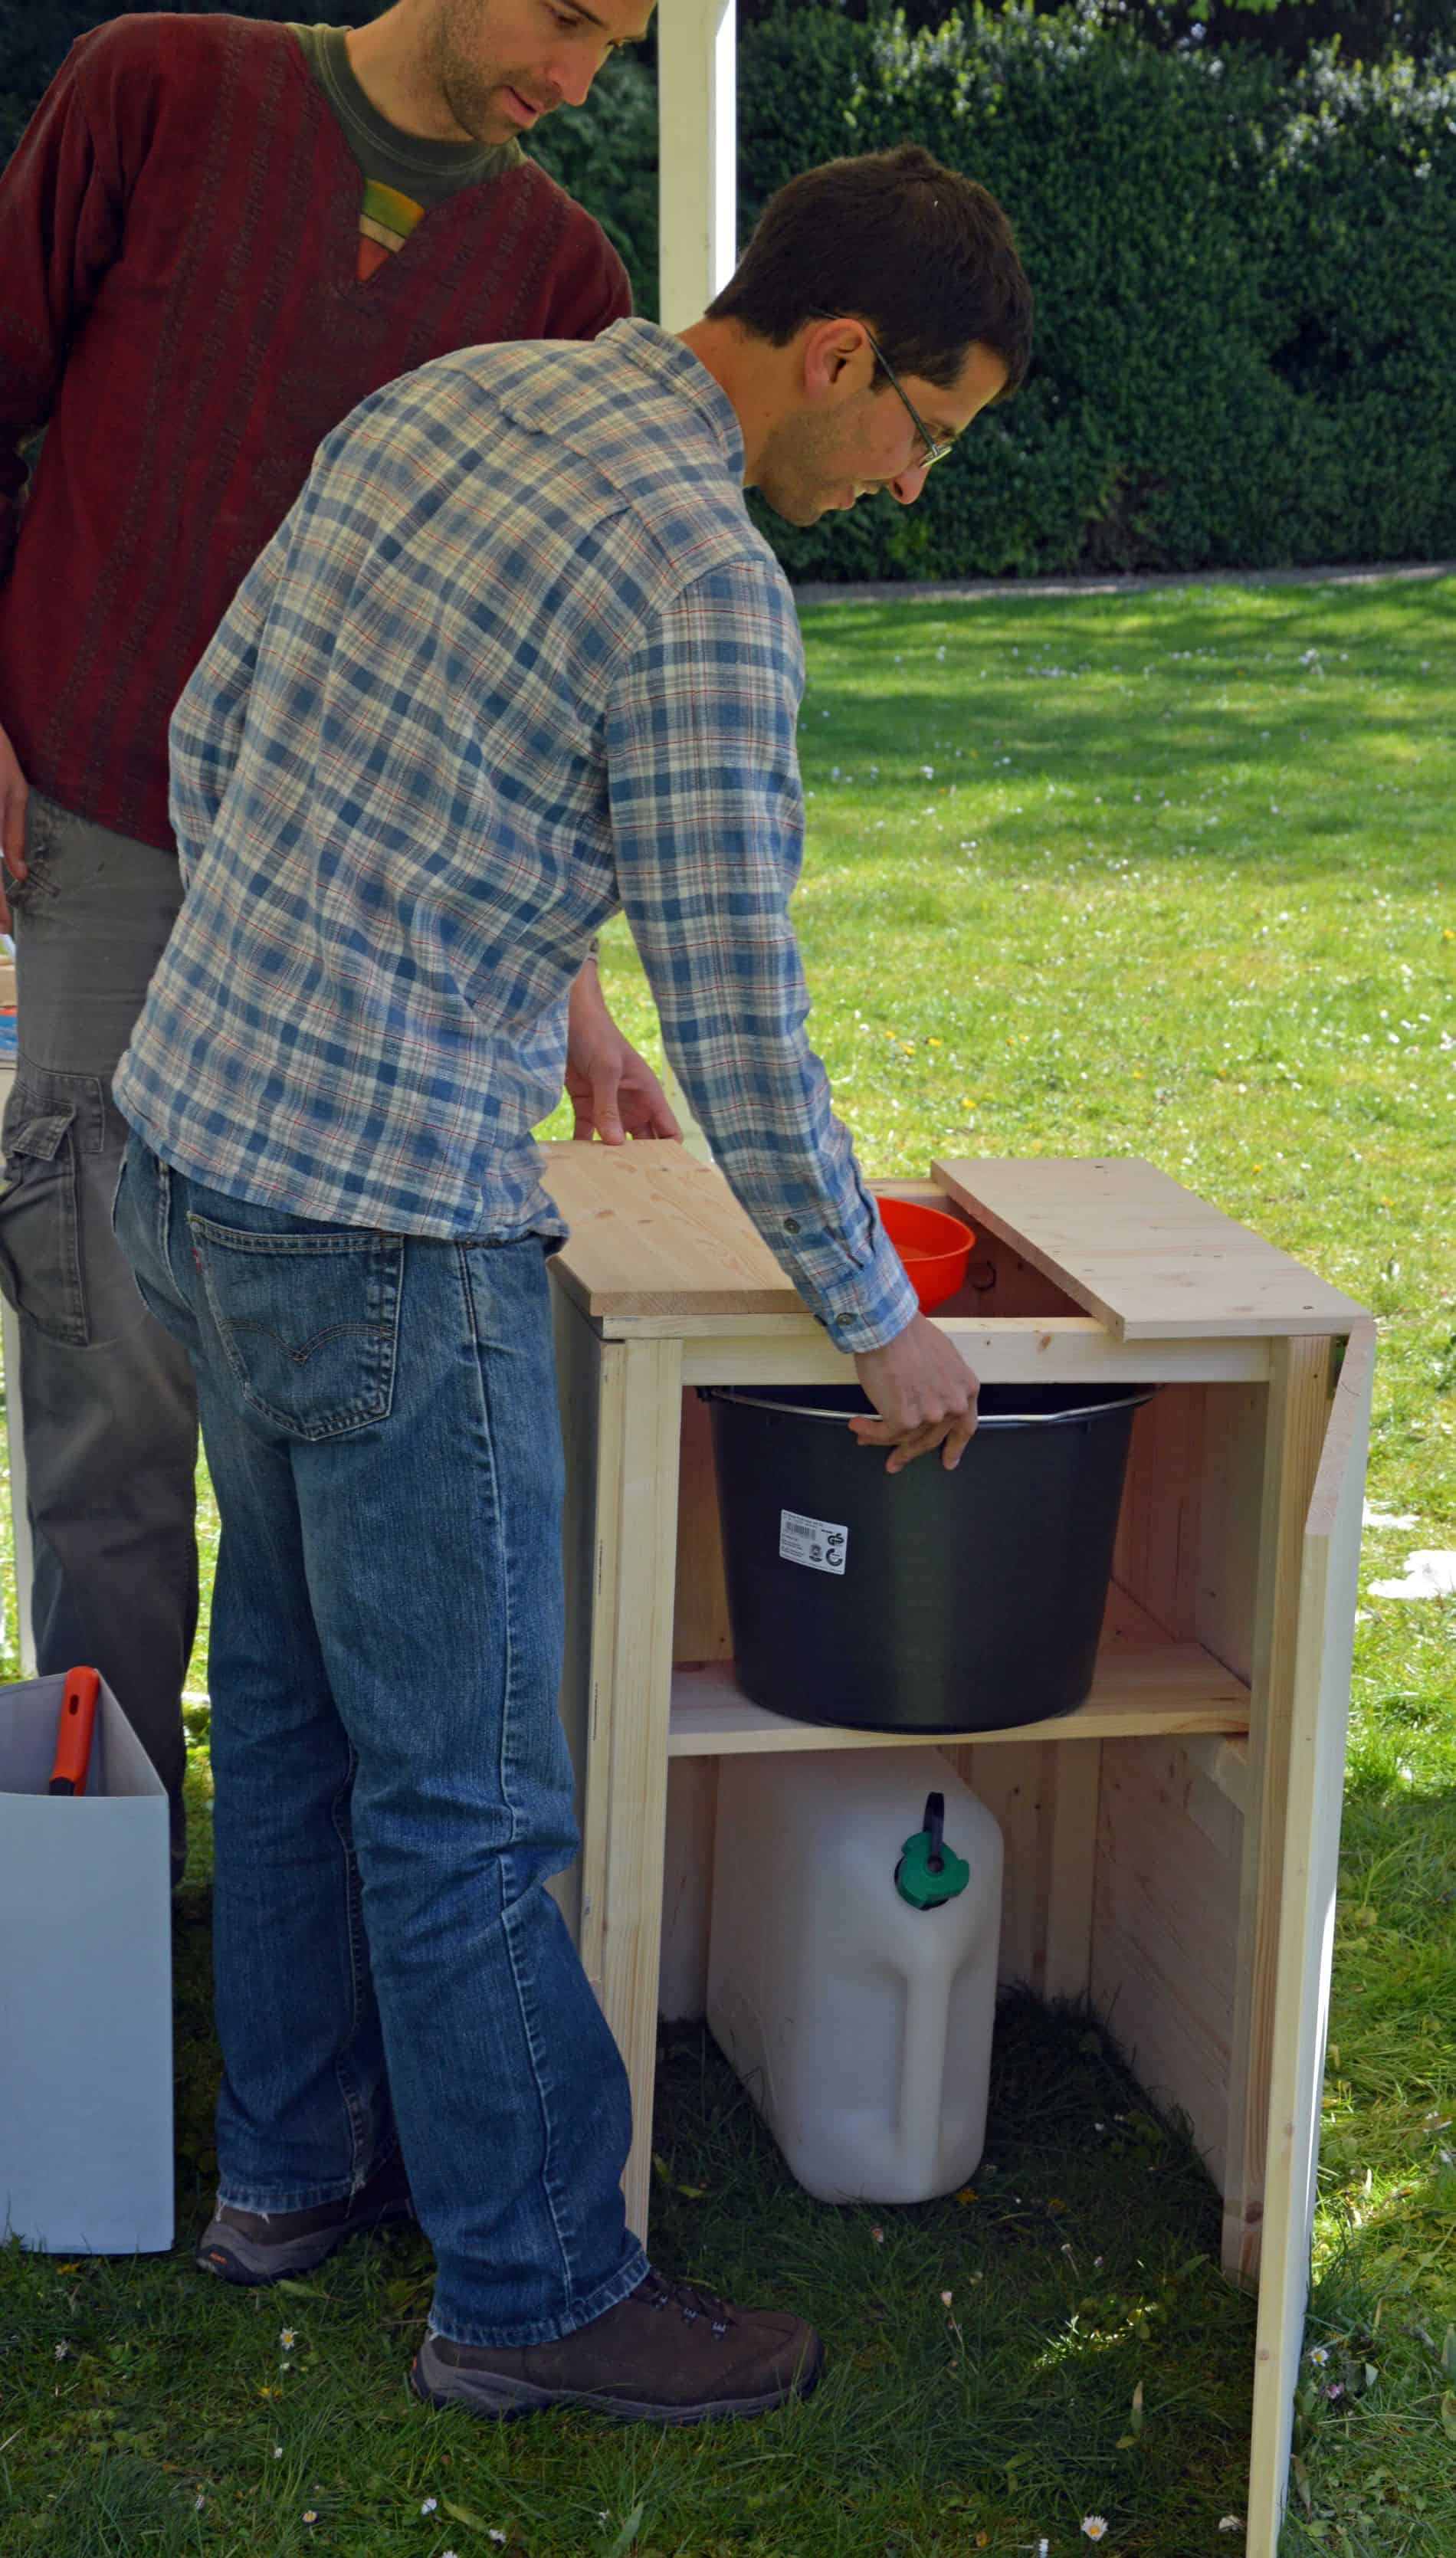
x: 924, y: 256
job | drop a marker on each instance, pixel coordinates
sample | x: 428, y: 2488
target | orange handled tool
x: 74, y: 1733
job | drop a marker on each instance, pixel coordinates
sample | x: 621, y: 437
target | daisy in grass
x: 1095, y: 2525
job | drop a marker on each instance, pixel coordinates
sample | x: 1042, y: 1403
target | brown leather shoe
x: 256, y: 2248
x: 668, y: 2354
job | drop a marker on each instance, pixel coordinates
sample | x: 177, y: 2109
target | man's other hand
x: 13, y: 795
x: 612, y: 1091
x: 923, y: 1393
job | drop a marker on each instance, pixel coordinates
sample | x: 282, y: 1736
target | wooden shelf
x: 1162, y: 1688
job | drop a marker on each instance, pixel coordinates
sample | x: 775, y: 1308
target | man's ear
x: 831, y: 351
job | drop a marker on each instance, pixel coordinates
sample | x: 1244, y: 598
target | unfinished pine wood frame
x: 1170, y: 1846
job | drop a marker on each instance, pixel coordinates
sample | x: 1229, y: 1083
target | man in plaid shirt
x: 517, y: 659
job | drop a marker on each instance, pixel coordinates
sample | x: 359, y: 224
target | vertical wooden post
x: 1324, y: 1641
x: 1298, y: 1413
x: 698, y: 217
x: 697, y: 130
x: 639, y: 1422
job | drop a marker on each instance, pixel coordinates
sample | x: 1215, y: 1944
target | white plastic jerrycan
x: 852, y: 1963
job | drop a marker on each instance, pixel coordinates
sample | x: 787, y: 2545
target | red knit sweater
x: 179, y: 232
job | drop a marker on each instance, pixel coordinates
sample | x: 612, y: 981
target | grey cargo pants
x: 108, y: 1397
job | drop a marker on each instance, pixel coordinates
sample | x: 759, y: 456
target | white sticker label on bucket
x: 815, y: 1542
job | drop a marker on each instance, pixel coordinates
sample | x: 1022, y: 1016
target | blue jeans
x: 392, y: 1783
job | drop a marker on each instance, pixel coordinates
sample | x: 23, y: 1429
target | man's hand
x: 614, y: 1092
x: 14, y: 793
x: 923, y: 1393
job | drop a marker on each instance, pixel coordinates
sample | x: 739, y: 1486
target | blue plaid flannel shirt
x: 516, y: 660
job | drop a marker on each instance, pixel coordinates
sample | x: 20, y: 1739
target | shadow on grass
x: 1043, y: 700
x: 1081, y: 2267
x: 1090, y: 2358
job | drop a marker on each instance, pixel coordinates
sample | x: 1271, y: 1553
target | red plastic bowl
x: 934, y: 1247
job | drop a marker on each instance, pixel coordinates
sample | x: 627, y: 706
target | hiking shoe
x: 260, y: 2246
x: 668, y: 2354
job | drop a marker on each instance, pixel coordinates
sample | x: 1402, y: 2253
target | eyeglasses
x: 933, y: 450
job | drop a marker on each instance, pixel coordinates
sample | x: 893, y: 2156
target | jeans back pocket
x: 308, y: 1324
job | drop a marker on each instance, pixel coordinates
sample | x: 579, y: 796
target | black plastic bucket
x: 923, y: 1601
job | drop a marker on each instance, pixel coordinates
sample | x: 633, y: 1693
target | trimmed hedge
x: 1246, y: 283
x: 1245, y: 276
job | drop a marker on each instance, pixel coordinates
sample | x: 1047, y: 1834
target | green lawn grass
x: 1166, y: 874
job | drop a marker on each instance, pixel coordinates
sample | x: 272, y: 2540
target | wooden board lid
x: 1140, y: 1253
x: 657, y: 1232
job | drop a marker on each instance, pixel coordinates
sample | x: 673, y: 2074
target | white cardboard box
x: 85, y: 1988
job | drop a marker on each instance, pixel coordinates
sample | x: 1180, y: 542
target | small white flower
x: 1319, y: 2354
x: 309, y: 2515
x: 62, y: 2350
x: 198, y: 2503
x: 430, y: 2504
x: 1095, y: 2525
x: 878, y: 2235
x: 287, y: 2338
x: 278, y: 2450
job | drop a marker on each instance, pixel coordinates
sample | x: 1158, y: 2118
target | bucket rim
x: 743, y: 1395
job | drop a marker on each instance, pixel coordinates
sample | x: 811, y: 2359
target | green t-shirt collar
x: 424, y: 170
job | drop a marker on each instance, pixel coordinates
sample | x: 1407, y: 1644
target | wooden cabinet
x: 1170, y: 1846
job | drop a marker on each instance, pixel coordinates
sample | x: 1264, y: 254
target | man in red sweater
x: 216, y: 237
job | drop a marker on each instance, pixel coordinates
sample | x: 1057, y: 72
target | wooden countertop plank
x: 1146, y: 1256
x: 657, y: 1232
